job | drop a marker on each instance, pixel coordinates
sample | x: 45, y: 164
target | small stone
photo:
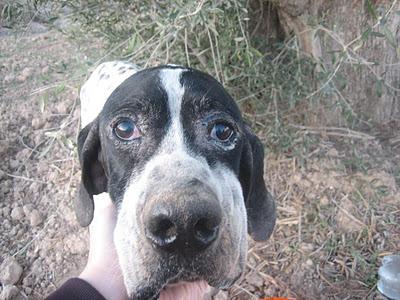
x: 332, y: 152
x: 9, y: 292
x: 37, y: 139
x: 13, y: 231
x: 10, y: 271
x: 17, y: 214
x: 307, y: 247
x: 19, y: 234
x: 36, y: 218
x: 37, y: 123
x: 6, y: 211
x: 23, y: 130
x: 23, y: 154
x: 45, y: 69
x: 36, y: 27
x: 297, y: 178
x: 6, y: 224
x: 324, y: 201
x: 9, y: 78
x: 309, y: 263
x: 27, y: 208
x: 62, y: 108
x: 26, y: 72
x: 28, y: 290
x: 14, y: 163
x: 27, y: 281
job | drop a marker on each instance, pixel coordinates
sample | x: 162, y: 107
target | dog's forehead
x: 171, y: 85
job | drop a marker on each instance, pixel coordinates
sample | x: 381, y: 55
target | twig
x: 24, y: 178
x: 336, y: 131
x: 246, y: 291
x: 347, y: 213
x: 198, y: 9
x: 213, y: 54
x: 186, y: 48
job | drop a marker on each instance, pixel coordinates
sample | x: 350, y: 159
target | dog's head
x: 186, y: 174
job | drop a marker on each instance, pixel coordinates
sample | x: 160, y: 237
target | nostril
x: 205, y: 231
x: 162, y: 231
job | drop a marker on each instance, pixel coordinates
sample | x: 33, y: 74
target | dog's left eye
x: 221, y: 132
x: 126, y: 130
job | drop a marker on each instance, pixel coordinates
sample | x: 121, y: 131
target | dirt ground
x: 338, y: 204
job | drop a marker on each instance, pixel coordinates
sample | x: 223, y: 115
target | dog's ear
x: 260, y: 205
x: 93, y: 180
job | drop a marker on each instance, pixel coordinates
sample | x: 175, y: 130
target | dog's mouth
x: 181, y: 290
x: 195, y: 290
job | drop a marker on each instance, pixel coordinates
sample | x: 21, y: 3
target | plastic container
x: 389, y: 277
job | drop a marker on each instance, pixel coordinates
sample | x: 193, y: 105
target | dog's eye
x: 221, y: 132
x: 126, y: 130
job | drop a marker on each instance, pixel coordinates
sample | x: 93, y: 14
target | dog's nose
x: 191, y: 227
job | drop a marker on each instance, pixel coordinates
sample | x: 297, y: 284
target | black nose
x: 194, y: 228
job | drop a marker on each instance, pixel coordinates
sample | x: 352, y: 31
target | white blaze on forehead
x: 170, y: 80
x: 101, y: 83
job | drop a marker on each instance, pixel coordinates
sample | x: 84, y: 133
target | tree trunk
x: 358, y: 41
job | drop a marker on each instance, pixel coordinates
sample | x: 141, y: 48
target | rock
x: 6, y: 211
x: 27, y: 208
x: 62, y: 108
x: 6, y: 224
x: 332, y: 152
x: 35, y: 27
x: 4, y: 31
x: 45, y: 69
x: 25, y: 74
x: 35, y: 218
x: 307, y: 247
x: 309, y: 262
x: 27, y: 281
x: 23, y: 130
x: 37, y: 123
x: 324, y: 201
x: 10, y: 271
x: 23, y: 154
x: 17, y: 214
x: 28, y: 290
x: 9, y: 292
x: 14, y: 164
x: 9, y: 78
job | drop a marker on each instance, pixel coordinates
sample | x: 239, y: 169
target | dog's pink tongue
x: 185, y: 290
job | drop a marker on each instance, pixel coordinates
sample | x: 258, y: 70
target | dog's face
x: 186, y: 174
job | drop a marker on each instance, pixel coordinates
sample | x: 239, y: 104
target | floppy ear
x: 93, y: 180
x: 260, y: 205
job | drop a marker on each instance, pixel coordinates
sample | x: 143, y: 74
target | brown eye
x: 126, y: 130
x: 221, y: 132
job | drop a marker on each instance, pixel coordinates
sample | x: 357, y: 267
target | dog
x: 170, y: 147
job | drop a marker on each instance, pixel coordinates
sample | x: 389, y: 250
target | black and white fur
x: 173, y: 107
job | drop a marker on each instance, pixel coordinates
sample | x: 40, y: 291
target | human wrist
x: 108, y: 283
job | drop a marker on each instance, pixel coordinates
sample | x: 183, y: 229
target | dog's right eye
x: 125, y: 129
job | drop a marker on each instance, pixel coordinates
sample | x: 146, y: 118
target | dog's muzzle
x: 183, y: 218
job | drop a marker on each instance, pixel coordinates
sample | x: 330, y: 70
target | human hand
x: 102, y: 270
